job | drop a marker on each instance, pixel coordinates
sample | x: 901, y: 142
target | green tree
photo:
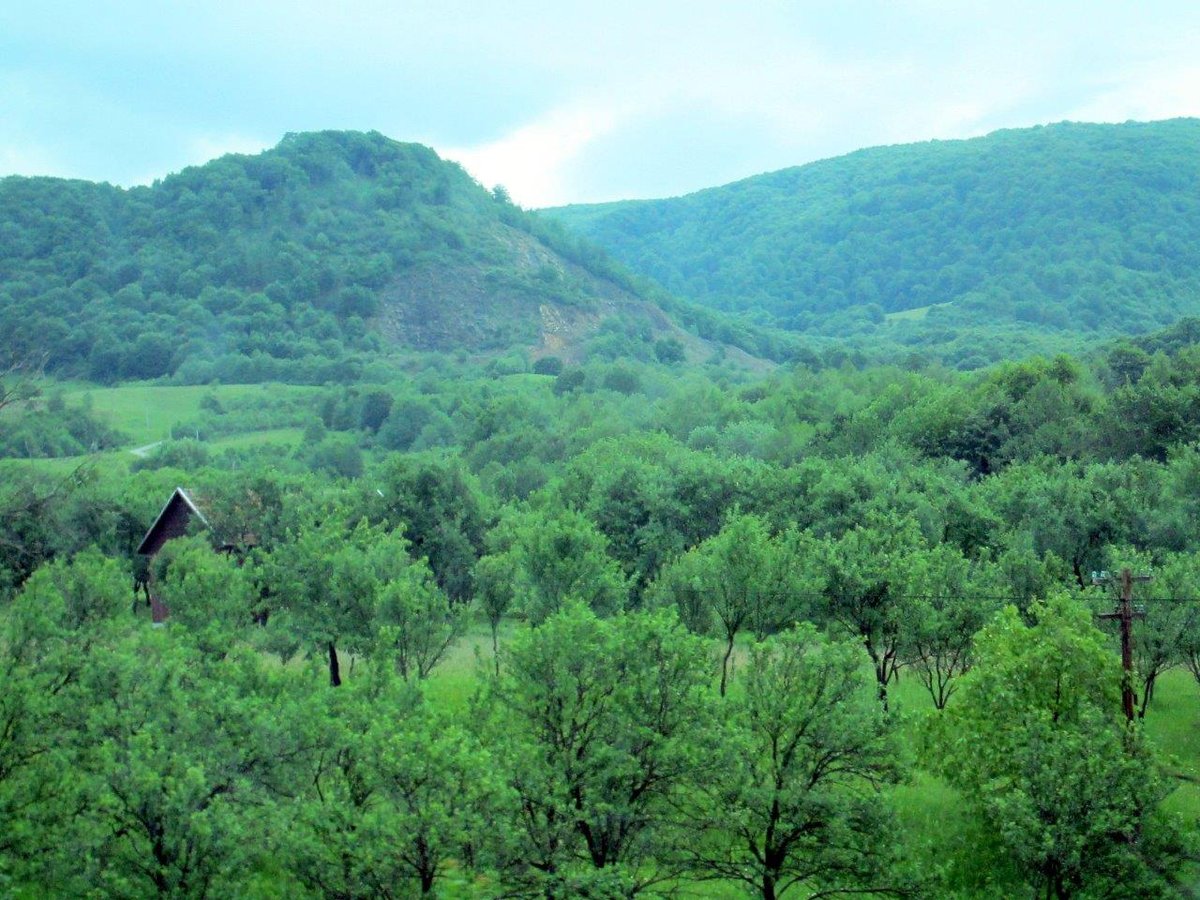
x: 438, y: 792
x: 336, y: 455
x: 564, y: 558
x: 946, y: 599
x: 374, y: 410
x: 1038, y: 745
x: 863, y: 579
x: 179, y: 787
x: 798, y: 802
x: 416, y: 622
x: 599, y: 726
x: 496, y: 578
x: 209, y: 594
x: 439, y: 506
x: 390, y: 792
x: 329, y: 578
x: 47, y: 634
x: 322, y: 844
x: 742, y: 579
x: 82, y: 592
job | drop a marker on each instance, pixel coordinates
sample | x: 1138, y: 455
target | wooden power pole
x: 1125, y: 614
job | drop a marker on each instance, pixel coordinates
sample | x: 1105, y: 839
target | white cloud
x: 1158, y: 91
x: 530, y: 162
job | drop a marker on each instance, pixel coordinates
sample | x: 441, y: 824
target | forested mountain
x: 1057, y: 231
x: 300, y: 264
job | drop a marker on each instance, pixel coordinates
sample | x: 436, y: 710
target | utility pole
x: 1125, y: 614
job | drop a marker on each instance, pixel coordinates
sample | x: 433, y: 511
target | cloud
x: 1157, y: 91
x: 532, y: 160
x: 573, y: 101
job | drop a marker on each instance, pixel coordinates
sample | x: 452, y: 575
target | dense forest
x: 307, y: 263
x: 652, y: 602
x: 1032, y: 236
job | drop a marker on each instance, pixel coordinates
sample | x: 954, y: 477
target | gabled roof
x: 172, y: 522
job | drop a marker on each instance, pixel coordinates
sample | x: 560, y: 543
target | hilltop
x: 1049, y: 233
x: 303, y: 263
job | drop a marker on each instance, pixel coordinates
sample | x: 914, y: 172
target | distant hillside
x: 303, y: 262
x: 1065, y: 229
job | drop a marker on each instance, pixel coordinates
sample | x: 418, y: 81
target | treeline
x: 1058, y: 230
x: 49, y: 427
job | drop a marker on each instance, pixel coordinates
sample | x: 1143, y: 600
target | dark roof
x: 172, y: 522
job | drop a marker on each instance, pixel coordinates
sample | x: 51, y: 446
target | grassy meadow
x: 146, y: 412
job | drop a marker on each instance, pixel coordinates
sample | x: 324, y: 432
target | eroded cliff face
x: 516, y: 293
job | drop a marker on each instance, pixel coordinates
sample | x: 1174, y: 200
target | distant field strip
x: 146, y: 412
x: 913, y: 315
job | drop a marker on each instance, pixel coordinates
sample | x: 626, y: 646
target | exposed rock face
x: 530, y: 298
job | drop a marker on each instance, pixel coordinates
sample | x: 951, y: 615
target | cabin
x: 181, y: 515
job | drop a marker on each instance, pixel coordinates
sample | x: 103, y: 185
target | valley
x: 751, y: 550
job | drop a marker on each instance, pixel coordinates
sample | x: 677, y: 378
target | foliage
x: 610, y: 542
x: 997, y: 240
x: 416, y: 622
x: 799, y: 804
x: 32, y: 430
x: 441, y: 511
x: 603, y: 723
x: 300, y: 264
x: 397, y: 791
x: 742, y: 579
x: 561, y: 560
x: 1038, y: 746
x: 864, y: 570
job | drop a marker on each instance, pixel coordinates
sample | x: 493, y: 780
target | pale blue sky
x: 571, y: 102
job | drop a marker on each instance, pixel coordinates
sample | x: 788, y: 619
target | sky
x: 571, y: 102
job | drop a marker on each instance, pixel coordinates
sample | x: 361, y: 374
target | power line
x: 995, y: 597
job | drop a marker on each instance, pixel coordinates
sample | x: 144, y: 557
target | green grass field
x: 146, y: 412
x: 912, y: 315
x: 288, y: 437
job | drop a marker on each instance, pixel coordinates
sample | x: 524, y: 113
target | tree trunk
x: 725, y: 664
x: 335, y: 677
x: 1147, y: 695
x: 496, y: 647
x: 768, y: 886
x: 427, y: 867
x: 881, y: 672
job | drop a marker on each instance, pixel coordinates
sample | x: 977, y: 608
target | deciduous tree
x: 1037, y: 743
x: 797, y: 802
x: 599, y: 724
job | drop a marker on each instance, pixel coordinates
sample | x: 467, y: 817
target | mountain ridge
x: 1068, y: 228
x: 301, y: 263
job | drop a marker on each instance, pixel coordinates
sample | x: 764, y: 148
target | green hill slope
x: 299, y: 264
x: 1065, y: 229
